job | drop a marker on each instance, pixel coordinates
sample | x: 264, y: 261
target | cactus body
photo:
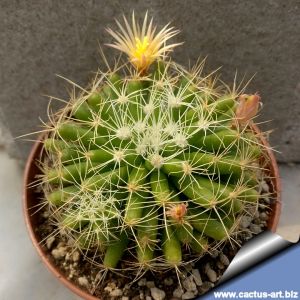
x: 152, y: 162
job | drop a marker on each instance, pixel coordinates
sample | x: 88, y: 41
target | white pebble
x: 157, y: 294
x: 50, y: 241
x: 197, y: 277
x: 116, y: 293
x: 189, y: 284
x: 211, y: 274
x: 83, y: 281
x: 188, y: 295
x: 75, y: 256
x: 108, y: 289
x: 178, y: 292
x: 59, y: 253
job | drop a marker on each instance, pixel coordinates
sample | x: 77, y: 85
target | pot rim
x: 31, y: 166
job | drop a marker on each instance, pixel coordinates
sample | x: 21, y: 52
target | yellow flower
x: 142, y: 44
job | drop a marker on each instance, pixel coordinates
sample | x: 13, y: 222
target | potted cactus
x: 148, y: 170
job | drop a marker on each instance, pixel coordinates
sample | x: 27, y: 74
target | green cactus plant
x: 152, y: 161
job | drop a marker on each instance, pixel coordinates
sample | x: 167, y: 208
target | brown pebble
x: 150, y: 284
x: 206, y: 286
x: 220, y: 265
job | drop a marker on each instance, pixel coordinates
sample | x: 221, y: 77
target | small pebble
x: 148, y: 298
x: 245, y: 221
x: 142, y: 282
x: 142, y: 295
x: 49, y: 241
x: 214, y: 253
x: 178, y: 292
x: 83, y: 281
x: 264, y: 187
x: 157, y: 294
x: 59, y: 252
x: 197, y: 277
x: 150, y: 284
x: 211, y: 274
x: 255, y: 228
x: 116, y: 293
x: 220, y: 265
x: 188, y: 295
x: 125, y: 298
x: 189, y: 284
x: 68, y: 256
x: 263, y: 216
x: 224, y: 259
x: 206, y: 286
x: 110, y: 287
x: 75, y: 256
x: 168, y: 281
x: 263, y: 224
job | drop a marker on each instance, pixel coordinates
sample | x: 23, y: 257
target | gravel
x: 188, y: 295
x: 254, y: 228
x: 157, y: 294
x: 246, y: 221
x: 197, y: 277
x: 178, y: 292
x: 224, y: 259
x: 189, y: 284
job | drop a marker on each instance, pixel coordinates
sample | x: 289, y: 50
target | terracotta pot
x: 30, y: 200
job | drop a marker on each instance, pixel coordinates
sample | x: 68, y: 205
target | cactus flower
x: 143, y: 45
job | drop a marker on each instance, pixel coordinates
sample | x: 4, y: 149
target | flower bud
x: 247, y: 108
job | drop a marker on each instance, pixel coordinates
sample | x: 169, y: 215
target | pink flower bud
x: 247, y: 108
x: 177, y: 212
